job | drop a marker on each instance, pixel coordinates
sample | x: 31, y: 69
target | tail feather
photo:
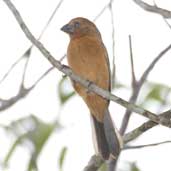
x: 107, y: 138
x: 100, y: 140
x: 112, y: 135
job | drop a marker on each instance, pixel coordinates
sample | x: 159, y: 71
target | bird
x: 88, y: 58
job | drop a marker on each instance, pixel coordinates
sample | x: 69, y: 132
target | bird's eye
x: 77, y: 24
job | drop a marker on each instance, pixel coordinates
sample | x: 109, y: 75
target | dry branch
x: 138, y: 86
x: 153, y: 8
x: 144, y: 127
x: 127, y: 147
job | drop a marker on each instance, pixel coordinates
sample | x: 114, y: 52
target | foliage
x: 156, y: 92
x: 65, y: 91
x: 33, y: 130
x: 133, y: 167
x: 62, y: 158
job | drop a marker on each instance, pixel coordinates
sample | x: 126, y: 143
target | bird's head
x: 79, y: 27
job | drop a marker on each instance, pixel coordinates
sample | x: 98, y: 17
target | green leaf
x: 103, y: 167
x: 156, y: 92
x: 62, y: 157
x: 118, y: 85
x: 65, y: 90
x: 11, y: 150
x: 133, y: 167
x: 30, y: 129
x: 38, y: 136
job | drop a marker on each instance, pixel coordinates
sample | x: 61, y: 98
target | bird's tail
x: 107, y: 138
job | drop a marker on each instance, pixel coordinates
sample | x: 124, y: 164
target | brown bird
x: 87, y: 57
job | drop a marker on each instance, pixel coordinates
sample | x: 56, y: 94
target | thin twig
x: 165, y: 20
x: 134, y: 82
x: 113, y: 44
x: 139, y: 84
x: 41, y: 77
x: 23, y: 92
x: 144, y: 127
x: 29, y: 49
x: 50, y: 19
x: 153, y: 8
x: 62, y: 58
x: 89, y: 85
x: 102, y: 10
x: 25, y: 69
x: 4, y: 104
x: 151, y: 66
x: 10, y: 69
x: 127, y: 147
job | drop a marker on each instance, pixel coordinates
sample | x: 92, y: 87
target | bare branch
x: 113, y: 44
x: 127, y: 147
x: 134, y: 82
x: 13, y: 66
x: 51, y: 17
x: 4, y: 104
x: 41, y: 77
x: 153, y: 63
x: 29, y: 49
x: 144, y: 127
x: 167, y: 23
x: 103, y: 10
x: 139, y: 84
x: 25, y: 67
x: 94, y: 164
x: 153, y: 8
x: 89, y: 85
x: 62, y: 58
x: 23, y: 92
x: 165, y: 20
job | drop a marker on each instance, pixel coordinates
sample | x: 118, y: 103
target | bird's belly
x: 95, y: 103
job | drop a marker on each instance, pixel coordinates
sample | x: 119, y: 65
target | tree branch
x: 153, y: 8
x: 89, y: 85
x: 144, y: 127
x: 138, y: 86
x: 94, y: 164
x: 4, y: 104
x: 113, y: 44
x: 134, y: 81
x: 127, y: 147
x: 96, y: 161
x: 23, y: 92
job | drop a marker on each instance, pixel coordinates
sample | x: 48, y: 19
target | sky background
x: 150, y: 35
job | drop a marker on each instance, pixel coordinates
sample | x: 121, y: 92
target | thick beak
x: 68, y: 28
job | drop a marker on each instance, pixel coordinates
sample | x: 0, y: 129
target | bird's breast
x: 86, y: 58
